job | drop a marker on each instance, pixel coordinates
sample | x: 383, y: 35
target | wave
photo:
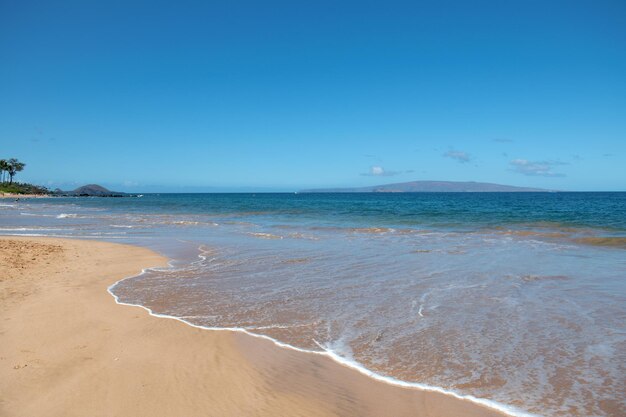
x: 265, y: 235
x: 302, y: 236
x: 30, y: 234
x: 372, y: 230
x: 296, y: 261
x: 159, y: 220
x: 29, y: 229
x: 534, y: 233
x: 329, y: 352
x: 37, y: 215
x: 109, y: 236
x: 581, y: 236
x: 611, y: 241
x: 534, y: 278
x: 67, y: 216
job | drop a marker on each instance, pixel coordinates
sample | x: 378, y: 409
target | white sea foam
x: 93, y: 237
x: 26, y: 234
x: 276, y: 326
x: 28, y: 229
x: 66, y: 236
x: 67, y: 216
x: 37, y: 215
x: 382, y: 272
x: 332, y: 354
x: 265, y: 235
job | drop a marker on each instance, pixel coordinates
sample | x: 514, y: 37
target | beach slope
x: 67, y: 349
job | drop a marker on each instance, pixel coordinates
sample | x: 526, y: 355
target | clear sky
x: 266, y: 95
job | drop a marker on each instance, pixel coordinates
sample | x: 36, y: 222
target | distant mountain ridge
x: 430, y: 187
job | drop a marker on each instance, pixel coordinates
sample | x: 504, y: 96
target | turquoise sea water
x: 518, y: 298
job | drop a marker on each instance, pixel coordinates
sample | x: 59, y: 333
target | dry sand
x: 67, y: 349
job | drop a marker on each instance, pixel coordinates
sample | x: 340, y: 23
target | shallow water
x: 516, y: 298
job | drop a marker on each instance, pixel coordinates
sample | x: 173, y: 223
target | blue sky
x: 235, y: 95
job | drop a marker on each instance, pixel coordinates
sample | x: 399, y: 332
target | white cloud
x: 537, y: 168
x: 459, y: 156
x: 378, y: 171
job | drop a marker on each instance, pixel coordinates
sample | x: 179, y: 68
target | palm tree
x: 4, y: 166
x: 14, y: 166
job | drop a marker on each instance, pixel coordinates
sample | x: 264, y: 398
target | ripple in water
x: 517, y: 298
x: 466, y: 312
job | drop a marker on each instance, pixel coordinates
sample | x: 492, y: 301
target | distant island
x: 90, y: 190
x: 10, y: 167
x: 430, y: 187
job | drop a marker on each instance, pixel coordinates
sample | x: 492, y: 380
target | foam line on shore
x: 506, y: 409
x: 64, y: 236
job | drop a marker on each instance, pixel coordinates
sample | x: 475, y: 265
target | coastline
x: 68, y: 349
x: 12, y: 195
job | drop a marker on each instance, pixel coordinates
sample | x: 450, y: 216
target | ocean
x: 516, y: 299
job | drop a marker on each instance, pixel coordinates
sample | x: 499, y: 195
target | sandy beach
x: 14, y: 196
x: 67, y: 349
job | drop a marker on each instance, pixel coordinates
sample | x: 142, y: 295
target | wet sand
x: 67, y: 349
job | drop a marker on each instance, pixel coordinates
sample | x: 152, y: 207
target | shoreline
x: 247, y: 373
x: 503, y: 409
x: 12, y: 195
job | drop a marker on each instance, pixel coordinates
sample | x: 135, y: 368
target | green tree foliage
x: 13, y: 167
x: 8, y: 169
x: 4, y: 167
